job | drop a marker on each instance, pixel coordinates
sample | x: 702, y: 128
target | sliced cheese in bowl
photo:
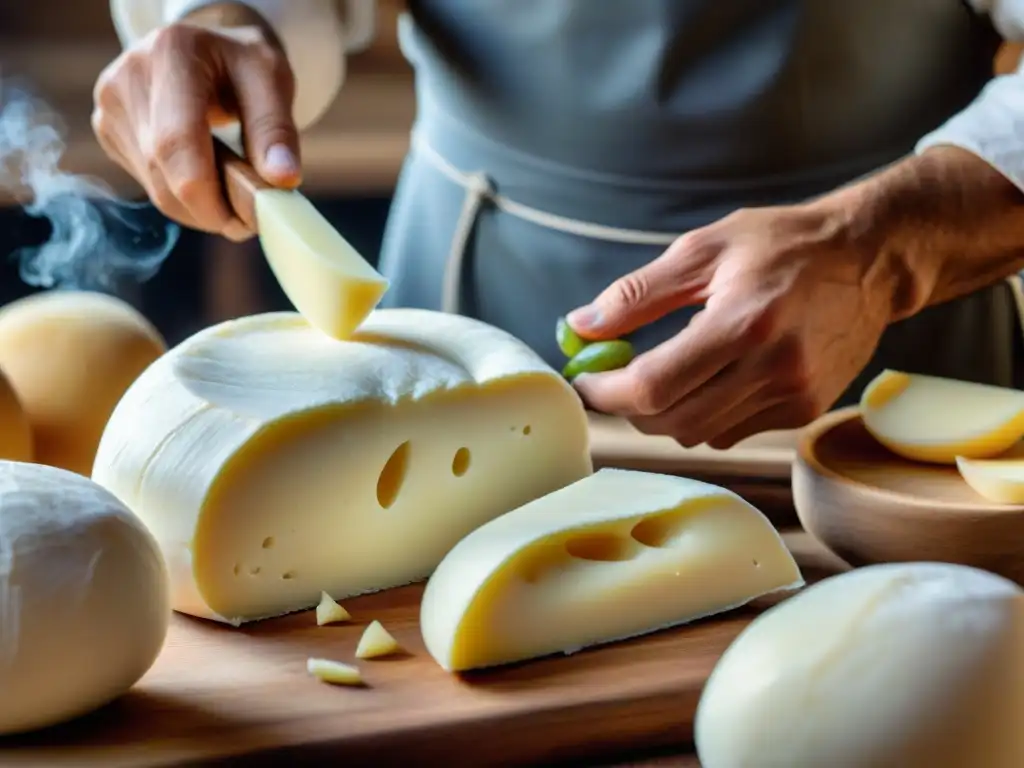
x: 999, y: 479
x: 615, y: 555
x: 933, y: 419
x: 274, y: 463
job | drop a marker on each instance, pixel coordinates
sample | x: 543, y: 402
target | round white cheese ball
x: 914, y: 665
x: 84, y: 597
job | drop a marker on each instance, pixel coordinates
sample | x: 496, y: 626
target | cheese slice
x: 375, y: 642
x: 274, y: 463
x: 1000, y: 479
x: 329, y: 612
x: 615, y: 555
x: 334, y: 672
x: 324, y: 277
x: 926, y: 418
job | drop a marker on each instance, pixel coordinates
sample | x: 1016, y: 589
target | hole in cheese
x: 255, y: 570
x: 604, y: 547
x: 289, y: 575
x: 237, y: 569
x: 527, y: 429
x: 268, y: 542
x: 460, y: 464
x: 389, y: 483
x: 661, y: 530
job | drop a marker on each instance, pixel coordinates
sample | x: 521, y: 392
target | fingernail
x: 281, y: 161
x: 585, y: 317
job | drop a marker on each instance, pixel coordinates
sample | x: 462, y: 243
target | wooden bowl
x: 868, y: 505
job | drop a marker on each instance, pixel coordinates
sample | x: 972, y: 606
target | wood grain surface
x: 220, y: 696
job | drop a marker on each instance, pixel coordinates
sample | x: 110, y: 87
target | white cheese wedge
x: 334, y: 672
x: 917, y: 665
x: 926, y: 418
x: 375, y: 642
x: 273, y: 463
x: 329, y: 612
x: 84, y: 597
x: 615, y: 555
x: 1000, y: 479
x: 324, y: 277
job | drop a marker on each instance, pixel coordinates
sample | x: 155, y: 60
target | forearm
x: 933, y: 227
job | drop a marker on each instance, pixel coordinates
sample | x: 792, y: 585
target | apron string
x: 480, y: 190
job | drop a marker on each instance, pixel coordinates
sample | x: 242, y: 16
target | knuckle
x: 170, y: 144
x: 631, y: 291
x: 178, y: 38
x: 651, y: 393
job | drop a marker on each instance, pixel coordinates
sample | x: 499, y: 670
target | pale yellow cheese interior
x: 615, y: 555
x: 323, y: 276
x: 926, y: 418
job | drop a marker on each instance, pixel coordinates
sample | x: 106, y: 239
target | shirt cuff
x: 991, y: 127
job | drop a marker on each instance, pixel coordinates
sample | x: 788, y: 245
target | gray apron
x: 560, y: 144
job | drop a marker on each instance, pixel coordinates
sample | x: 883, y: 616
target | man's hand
x: 796, y: 298
x: 156, y: 104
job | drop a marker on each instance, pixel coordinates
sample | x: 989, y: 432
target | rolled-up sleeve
x: 992, y: 126
x: 316, y: 37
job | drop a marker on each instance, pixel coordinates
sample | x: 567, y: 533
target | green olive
x: 598, y: 357
x: 568, y: 340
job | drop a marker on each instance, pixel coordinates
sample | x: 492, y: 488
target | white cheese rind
x: 917, y: 665
x: 442, y: 382
x: 615, y: 555
x: 84, y: 597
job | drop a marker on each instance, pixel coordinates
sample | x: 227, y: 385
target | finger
x: 730, y: 397
x: 181, y: 143
x: 265, y: 90
x: 675, y: 279
x: 656, y: 380
x: 779, y: 416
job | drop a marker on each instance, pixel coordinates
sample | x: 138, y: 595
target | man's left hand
x: 794, y: 306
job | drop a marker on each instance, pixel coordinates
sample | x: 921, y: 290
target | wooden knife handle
x: 241, y: 183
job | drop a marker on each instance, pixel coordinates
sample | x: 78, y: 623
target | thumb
x: 643, y: 296
x: 265, y: 91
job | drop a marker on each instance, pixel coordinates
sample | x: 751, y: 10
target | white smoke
x: 97, y: 240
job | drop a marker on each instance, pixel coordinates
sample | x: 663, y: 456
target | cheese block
x: 612, y: 556
x: 914, y: 665
x: 375, y: 642
x: 1000, y: 479
x: 84, y: 597
x: 15, y: 429
x: 273, y: 462
x: 325, y: 278
x: 70, y: 355
x: 931, y: 419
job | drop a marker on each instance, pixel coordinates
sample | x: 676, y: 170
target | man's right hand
x: 156, y: 103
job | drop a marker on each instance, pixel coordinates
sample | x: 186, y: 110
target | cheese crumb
x: 334, y: 672
x: 376, y: 641
x: 329, y: 612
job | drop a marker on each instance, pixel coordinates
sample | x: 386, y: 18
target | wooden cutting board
x: 758, y: 469
x: 217, y: 693
x: 615, y: 442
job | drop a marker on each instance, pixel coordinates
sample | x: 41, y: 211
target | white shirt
x: 317, y: 37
